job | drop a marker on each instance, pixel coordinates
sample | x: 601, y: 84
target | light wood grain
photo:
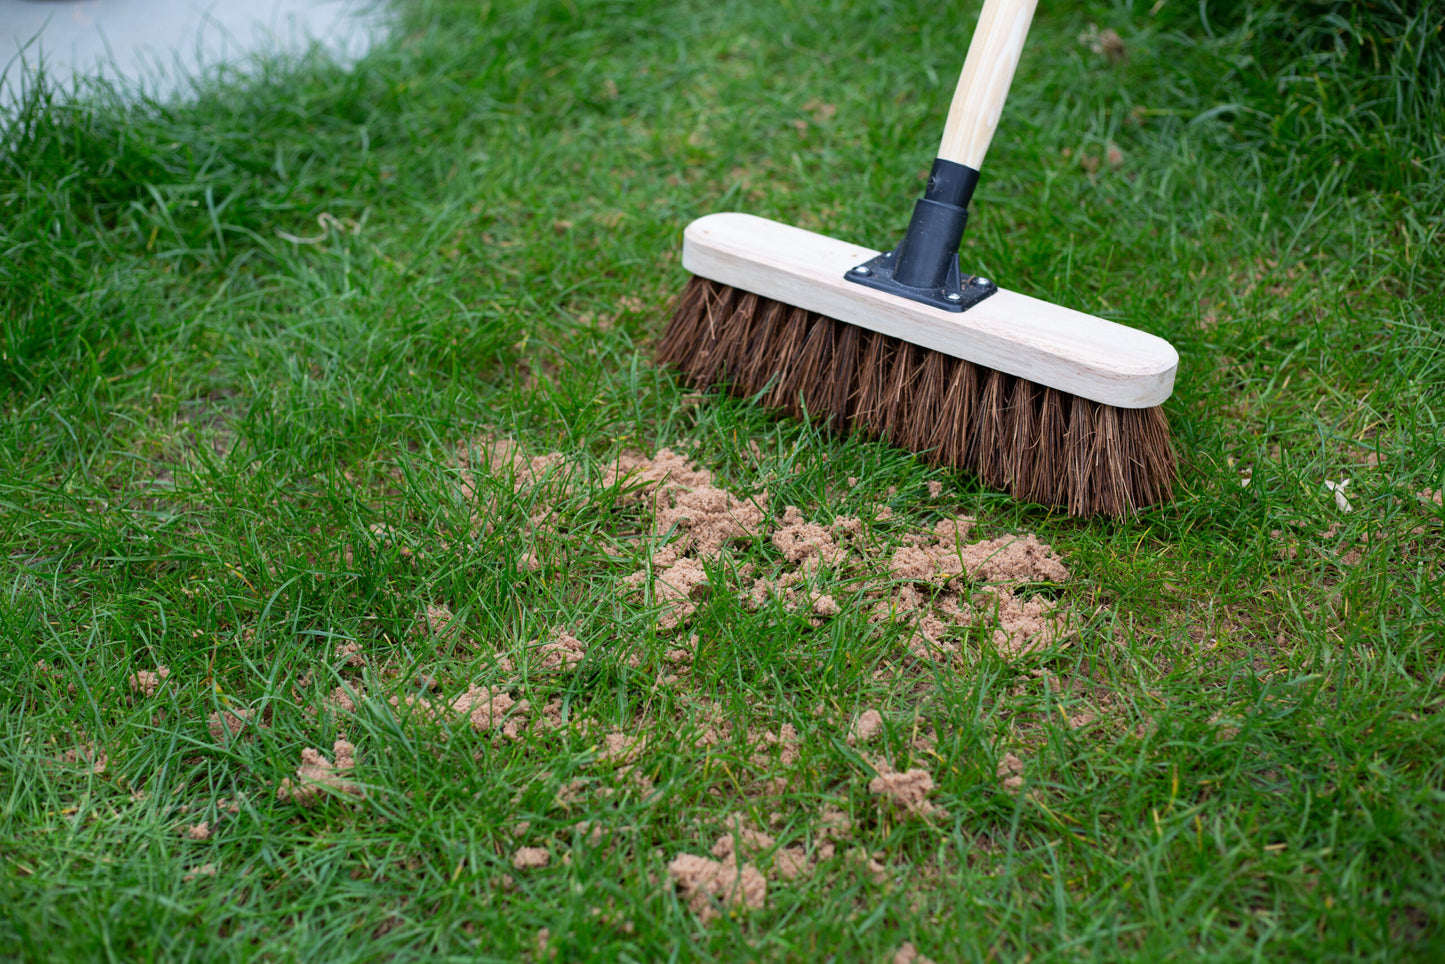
x: 1034, y: 339
x: 993, y: 54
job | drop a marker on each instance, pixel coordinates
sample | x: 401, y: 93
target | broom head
x: 1050, y: 404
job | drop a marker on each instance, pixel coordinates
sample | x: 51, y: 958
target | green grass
x: 229, y: 452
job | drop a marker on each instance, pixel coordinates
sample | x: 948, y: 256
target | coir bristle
x: 1037, y: 443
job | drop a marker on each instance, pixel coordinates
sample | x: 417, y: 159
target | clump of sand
x: 620, y: 748
x: 350, y: 655
x: 804, y: 543
x: 724, y: 882
x: 693, y: 520
x: 343, y: 699
x: 970, y: 584
x: 1011, y: 772
x: 907, y: 791
x: 147, y: 682
x: 941, y: 581
x: 560, y: 651
x: 484, y: 707
x: 938, y: 583
x: 1008, y: 560
x: 227, y: 725
x: 707, y: 517
x: 437, y: 621
x: 679, y: 586
x: 528, y: 858
x: 317, y: 776
x: 768, y: 746
x: 1024, y: 625
x: 908, y: 954
x: 85, y: 754
x: 503, y: 459
x: 865, y: 728
x: 645, y: 476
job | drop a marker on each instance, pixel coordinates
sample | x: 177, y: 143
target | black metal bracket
x: 957, y: 293
x: 924, y: 266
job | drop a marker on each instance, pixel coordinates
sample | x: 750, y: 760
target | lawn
x: 367, y: 593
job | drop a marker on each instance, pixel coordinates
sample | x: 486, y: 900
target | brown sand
x: 620, y: 748
x: 561, y: 651
x: 1024, y: 625
x: 648, y: 475
x: 350, y: 655
x: 86, y: 755
x: 768, y: 746
x: 866, y: 727
x: 484, y: 707
x: 1003, y: 565
x: 696, y: 517
x: 227, y: 725
x: 678, y: 587
x: 868, y: 864
x: 907, y: 953
x: 343, y: 699
x: 145, y: 682
x: 935, y: 582
x: 316, y: 775
x: 800, y: 541
x: 1010, y: 772
x: 708, y: 517
x: 908, y: 791
x: 1008, y: 560
x: 527, y: 858
x: 693, y: 520
x: 824, y: 606
x: 437, y: 621
x: 712, y: 886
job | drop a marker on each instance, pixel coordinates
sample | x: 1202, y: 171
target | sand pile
x: 725, y: 881
x: 227, y: 725
x: 693, y: 520
x: 946, y: 588
x: 937, y: 583
x: 907, y: 791
x: 316, y: 776
x: 147, y: 682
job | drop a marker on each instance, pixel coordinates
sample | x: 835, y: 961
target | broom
x: 1050, y: 404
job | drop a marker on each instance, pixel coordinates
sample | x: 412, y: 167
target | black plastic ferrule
x: 951, y: 183
x: 924, y: 265
x: 929, y: 249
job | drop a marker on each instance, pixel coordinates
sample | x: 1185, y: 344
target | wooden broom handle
x: 998, y: 40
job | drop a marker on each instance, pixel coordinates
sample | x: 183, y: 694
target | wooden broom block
x: 1013, y: 333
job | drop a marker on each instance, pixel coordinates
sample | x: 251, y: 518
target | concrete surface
x: 156, y: 44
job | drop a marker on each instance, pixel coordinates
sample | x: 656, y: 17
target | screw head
x: 862, y: 269
x: 982, y: 282
x: 954, y: 296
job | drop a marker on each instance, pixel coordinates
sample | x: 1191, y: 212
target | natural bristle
x: 1038, y: 444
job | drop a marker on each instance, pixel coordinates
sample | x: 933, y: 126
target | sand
x: 146, y: 682
x: 317, y: 776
